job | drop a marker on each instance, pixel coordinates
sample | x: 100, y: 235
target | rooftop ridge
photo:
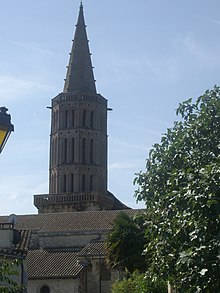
x: 80, y: 212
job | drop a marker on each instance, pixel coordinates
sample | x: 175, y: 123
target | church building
x: 64, y: 242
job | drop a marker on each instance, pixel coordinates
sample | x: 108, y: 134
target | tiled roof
x: 42, y: 264
x: 74, y: 221
x: 25, y: 240
x: 19, y: 250
x: 93, y: 249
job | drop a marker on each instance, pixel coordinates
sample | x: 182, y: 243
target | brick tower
x: 78, y: 140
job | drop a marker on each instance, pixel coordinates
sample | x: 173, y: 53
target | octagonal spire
x: 80, y: 75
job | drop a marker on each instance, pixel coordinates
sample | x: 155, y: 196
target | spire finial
x: 81, y: 3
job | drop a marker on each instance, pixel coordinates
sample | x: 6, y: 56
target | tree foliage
x: 139, y: 283
x: 8, y: 275
x: 125, y: 243
x: 181, y: 189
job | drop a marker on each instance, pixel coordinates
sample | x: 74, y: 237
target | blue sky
x: 149, y: 55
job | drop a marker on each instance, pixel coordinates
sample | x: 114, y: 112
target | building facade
x: 65, y: 252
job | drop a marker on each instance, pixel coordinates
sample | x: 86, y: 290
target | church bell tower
x: 78, y: 140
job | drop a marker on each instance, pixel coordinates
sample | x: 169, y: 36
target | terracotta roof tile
x: 42, y: 264
x: 25, y: 240
x: 74, y: 221
x: 93, y: 249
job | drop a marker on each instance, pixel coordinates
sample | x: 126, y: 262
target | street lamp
x: 5, y: 127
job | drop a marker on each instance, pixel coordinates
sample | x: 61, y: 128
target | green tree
x: 139, y: 283
x: 181, y: 189
x: 125, y: 243
x: 8, y: 273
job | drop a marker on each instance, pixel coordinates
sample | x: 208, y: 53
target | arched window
x: 84, y: 151
x: 66, y: 119
x: 52, y: 153
x: 91, y: 151
x: 73, y: 118
x: 73, y: 150
x: 84, y: 118
x: 64, y: 183
x: 65, y: 150
x: 71, y: 183
x: 44, y: 289
x: 53, y: 121
x: 56, y: 122
x: 92, y: 119
x: 55, y: 151
x: 54, y: 183
x: 91, y: 183
x: 83, y: 182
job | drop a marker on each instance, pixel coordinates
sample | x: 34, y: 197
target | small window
x: 73, y: 118
x: 84, y: 151
x: 64, y: 183
x: 84, y: 118
x: 56, y: 123
x: 91, y: 150
x: 91, y: 183
x: 83, y: 183
x: 92, y: 119
x: 65, y: 150
x: 44, y: 289
x: 71, y: 183
x: 66, y: 119
x: 73, y: 151
x: 55, y: 151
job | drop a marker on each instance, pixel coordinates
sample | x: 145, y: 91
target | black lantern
x: 5, y: 127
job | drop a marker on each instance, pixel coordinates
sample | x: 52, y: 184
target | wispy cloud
x: 29, y: 147
x: 188, y: 41
x: 29, y: 46
x: 14, y: 88
x: 141, y: 127
x: 214, y: 21
x: 125, y: 145
x: 160, y: 67
x: 122, y: 166
x: 21, y: 192
x: 201, y: 53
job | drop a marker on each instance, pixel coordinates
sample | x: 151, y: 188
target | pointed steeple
x: 78, y: 140
x: 79, y: 75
